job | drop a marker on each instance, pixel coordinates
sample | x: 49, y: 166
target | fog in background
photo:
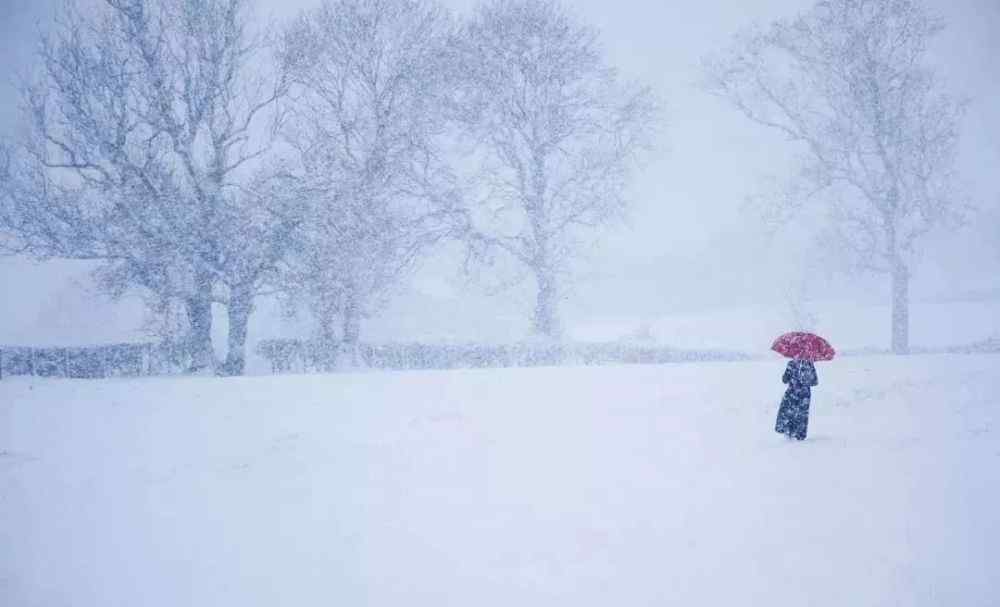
x: 691, y: 243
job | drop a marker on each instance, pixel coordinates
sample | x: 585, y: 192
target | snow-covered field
x: 639, y: 485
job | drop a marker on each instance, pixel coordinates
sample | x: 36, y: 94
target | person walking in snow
x: 793, y: 414
x: 800, y: 376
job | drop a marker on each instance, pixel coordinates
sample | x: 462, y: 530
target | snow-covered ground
x: 642, y: 485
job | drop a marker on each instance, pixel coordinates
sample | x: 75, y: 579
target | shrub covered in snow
x: 287, y: 355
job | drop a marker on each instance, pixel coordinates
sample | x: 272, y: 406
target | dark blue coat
x: 793, y: 414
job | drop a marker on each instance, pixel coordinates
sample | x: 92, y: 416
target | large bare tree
x: 141, y: 133
x: 367, y: 123
x: 848, y: 82
x: 557, y: 134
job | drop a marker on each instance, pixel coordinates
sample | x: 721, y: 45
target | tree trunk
x: 900, y: 309
x: 199, y: 311
x: 325, y: 356
x: 352, y: 329
x: 546, y: 319
x: 239, y: 311
x: 352, y: 325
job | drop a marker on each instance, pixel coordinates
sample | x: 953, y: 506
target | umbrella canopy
x: 803, y: 346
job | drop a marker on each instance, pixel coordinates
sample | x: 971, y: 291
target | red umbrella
x: 804, y: 346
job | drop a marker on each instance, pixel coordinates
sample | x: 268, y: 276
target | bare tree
x: 557, y: 134
x: 367, y: 123
x: 848, y: 82
x: 140, y: 129
x: 261, y: 221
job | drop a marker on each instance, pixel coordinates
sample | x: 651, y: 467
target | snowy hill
x: 573, y: 486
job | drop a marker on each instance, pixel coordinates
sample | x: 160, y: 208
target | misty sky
x: 690, y: 242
